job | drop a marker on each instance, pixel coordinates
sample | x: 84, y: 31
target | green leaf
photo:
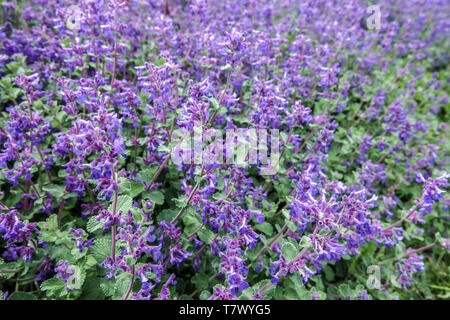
x: 156, y: 196
x: 76, y: 254
x: 289, y: 251
x: 8, y: 266
x: 122, y: 283
x: 52, y: 284
x: 160, y: 61
x: 136, y: 188
x: 19, y: 295
x: 167, y: 215
x: 124, y: 204
x: 369, y: 249
x: 329, y: 273
x: 101, y: 249
x: 13, y: 199
x: 191, y: 221
x: 138, y: 215
x: 204, y: 295
x: 55, y: 190
x: 94, y: 225
x: 400, y: 250
x: 107, y: 287
x: 225, y: 67
x: 90, y: 262
x: 214, y: 103
x: 266, y: 228
x: 345, y: 290
x: 200, y: 280
x: 70, y: 195
x: 393, y: 279
x: 292, y: 226
x: 305, y: 242
x: 147, y: 175
x: 299, y: 287
x: 261, y: 284
x: 206, y: 235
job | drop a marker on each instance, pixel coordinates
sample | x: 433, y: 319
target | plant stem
x: 301, y: 148
x: 9, y: 271
x: 130, y: 287
x: 191, y: 195
x: 60, y: 211
x: 409, y: 253
x: 46, y: 170
x: 401, y: 220
x: 211, y: 120
x: 163, y: 164
x: 272, y: 241
x: 4, y: 205
x: 114, y: 227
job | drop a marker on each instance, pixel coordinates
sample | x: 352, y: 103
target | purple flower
x: 66, y: 272
x: 222, y: 294
x: 178, y: 255
x: 79, y: 239
x: 46, y: 269
x: 17, y: 234
x: 406, y: 267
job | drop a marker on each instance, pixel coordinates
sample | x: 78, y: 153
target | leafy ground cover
x: 93, y: 94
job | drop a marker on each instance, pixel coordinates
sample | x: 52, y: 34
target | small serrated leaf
x: 156, y: 196
x: 136, y: 188
x: 289, y: 251
x: 52, y: 284
x: 200, y: 280
x: 121, y: 285
x: 101, y: 249
x: 167, y: 215
x: 206, y: 235
x: 124, y: 204
x: 204, y: 295
x: 93, y: 225
x: 91, y: 289
x: 107, y: 288
x: 20, y: 295
x: 266, y: 228
x: 55, y: 190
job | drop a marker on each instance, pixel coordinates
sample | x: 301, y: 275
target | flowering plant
x: 94, y: 95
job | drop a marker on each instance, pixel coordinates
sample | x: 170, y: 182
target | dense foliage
x: 93, y: 207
